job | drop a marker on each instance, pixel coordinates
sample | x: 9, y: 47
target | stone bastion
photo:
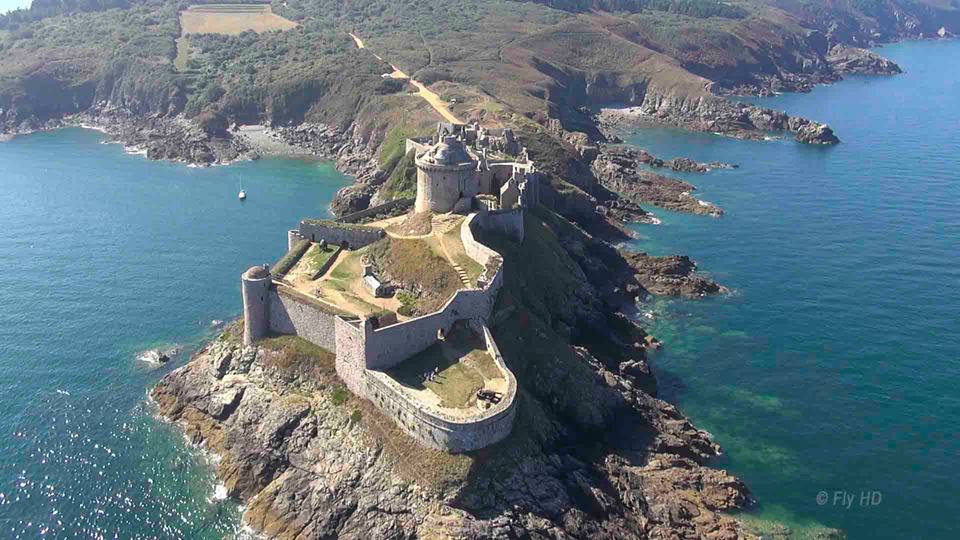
x: 364, y: 352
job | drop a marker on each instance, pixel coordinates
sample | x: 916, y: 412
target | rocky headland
x: 714, y: 115
x: 619, y: 169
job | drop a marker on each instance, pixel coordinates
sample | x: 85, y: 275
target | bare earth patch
x: 231, y: 19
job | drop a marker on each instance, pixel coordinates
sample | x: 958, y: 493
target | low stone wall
x: 294, y: 313
x: 384, y: 208
x: 326, y: 266
x: 441, y: 431
x: 356, y: 236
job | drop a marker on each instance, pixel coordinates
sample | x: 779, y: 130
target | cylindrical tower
x: 255, y: 288
x: 445, y: 173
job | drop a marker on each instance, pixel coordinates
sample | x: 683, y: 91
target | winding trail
x: 429, y: 96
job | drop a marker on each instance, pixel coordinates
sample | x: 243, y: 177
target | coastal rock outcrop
x: 681, y: 164
x: 673, y: 275
x: 617, y: 169
x: 846, y: 59
x: 310, y: 464
x: 704, y: 112
x: 815, y: 133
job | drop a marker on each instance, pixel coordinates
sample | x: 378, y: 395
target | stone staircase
x: 442, y: 224
x: 462, y: 274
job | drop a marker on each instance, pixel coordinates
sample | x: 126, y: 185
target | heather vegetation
x: 504, y: 60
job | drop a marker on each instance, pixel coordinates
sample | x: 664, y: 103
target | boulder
x: 816, y: 133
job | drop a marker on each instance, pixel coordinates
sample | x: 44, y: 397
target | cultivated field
x: 231, y: 19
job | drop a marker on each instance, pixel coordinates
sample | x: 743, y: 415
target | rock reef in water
x: 817, y: 134
x: 617, y: 169
x: 674, y: 275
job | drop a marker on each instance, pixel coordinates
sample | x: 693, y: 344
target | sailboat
x: 243, y: 194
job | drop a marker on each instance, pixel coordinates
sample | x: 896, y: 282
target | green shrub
x: 340, y: 396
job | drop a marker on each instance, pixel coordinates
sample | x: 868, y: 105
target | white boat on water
x: 242, y: 195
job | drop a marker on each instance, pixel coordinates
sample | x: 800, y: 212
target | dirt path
x: 429, y: 96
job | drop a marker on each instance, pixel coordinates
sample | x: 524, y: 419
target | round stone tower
x: 255, y: 288
x: 445, y: 173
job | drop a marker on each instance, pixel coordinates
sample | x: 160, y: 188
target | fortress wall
x: 357, y: 236
x: 373, y: 211
x: 387, y: 347
x: 506, y: 222
x: 291, y: 314
x: 349, y: 338
x: 474, y: 249
x: 440, y: 431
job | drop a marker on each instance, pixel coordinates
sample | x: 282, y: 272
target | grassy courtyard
x: 463, y: 367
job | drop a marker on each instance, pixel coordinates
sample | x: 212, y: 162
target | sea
x: 105, y: 255
x: 829, y: 374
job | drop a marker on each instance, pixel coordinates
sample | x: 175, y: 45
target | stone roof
x: 257, y: 272
x: 449, y: 151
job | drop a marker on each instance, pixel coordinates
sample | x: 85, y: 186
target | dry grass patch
x: 414, y: 225
x: 417, y: 265
x: 231, y: 19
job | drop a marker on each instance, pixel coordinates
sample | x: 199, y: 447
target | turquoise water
x: 104, y: 255
x: 835, y: 364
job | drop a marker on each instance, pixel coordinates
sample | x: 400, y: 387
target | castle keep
x: 439, y: 373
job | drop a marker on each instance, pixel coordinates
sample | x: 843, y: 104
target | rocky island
x: 336, y: 416
x: 531, y: 196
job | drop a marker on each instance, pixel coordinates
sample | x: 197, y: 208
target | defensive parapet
x: 337, y: 233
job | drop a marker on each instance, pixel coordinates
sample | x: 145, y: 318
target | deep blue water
x: 104, y: 255
x: 835, y: 364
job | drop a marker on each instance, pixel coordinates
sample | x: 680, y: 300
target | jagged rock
x: 846, y: 59
x: 307, y: 471
x: 670, y: 276
x: 816, y: 133
x: 617, y: 169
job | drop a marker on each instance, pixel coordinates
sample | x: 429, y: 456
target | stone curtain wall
x: 437, y: 430
x: 506, y: 222
x: 375, y: 210
x: 474, y: 249
x: 357, y: 236
x: 291, y: 313
x: 387, y: 347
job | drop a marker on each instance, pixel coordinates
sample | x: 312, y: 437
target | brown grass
x: 231, y: 19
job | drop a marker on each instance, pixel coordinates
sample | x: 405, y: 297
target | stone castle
x: 473, y: 178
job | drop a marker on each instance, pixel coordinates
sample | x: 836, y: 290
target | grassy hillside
x: 505, y: 61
